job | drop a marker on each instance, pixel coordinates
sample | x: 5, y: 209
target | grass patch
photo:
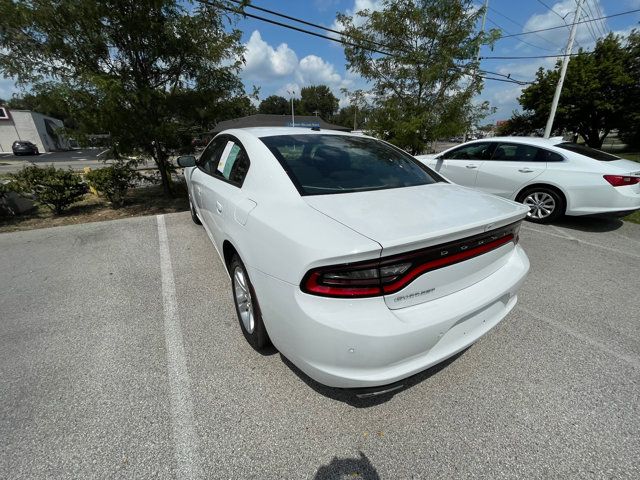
x: 634, y: 217
x: 635, y: 156
x: 139, y: 201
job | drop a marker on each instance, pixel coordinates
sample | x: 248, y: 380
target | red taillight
x: 391, y: 274
x: 621, y: 180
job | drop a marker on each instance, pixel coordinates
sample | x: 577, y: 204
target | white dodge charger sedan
x: 361, y: 265
x: 550, y: 176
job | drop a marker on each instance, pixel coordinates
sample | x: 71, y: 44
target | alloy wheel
x: 541, y: 205
x: 243, y: 299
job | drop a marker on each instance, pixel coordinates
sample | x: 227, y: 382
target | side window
x: 210, y: 157
x: 233, y: 164
x: 474, y: 151
x: 548, y: 156
x: 515, y: 152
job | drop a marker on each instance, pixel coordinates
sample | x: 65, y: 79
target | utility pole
x: 293, y: 117
x: 563, y: 72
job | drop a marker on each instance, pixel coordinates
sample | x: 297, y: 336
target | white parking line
x: 186, y: 441
x: 562, y: 232
x: 629, y: 359
x: 577, y: 240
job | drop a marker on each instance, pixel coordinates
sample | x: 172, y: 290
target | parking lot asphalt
x: 121, y: 357
x: 74, y: 159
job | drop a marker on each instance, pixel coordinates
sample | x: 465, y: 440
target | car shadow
x: 350, y: 396
x: 594, y: 223
x: 356, y: 468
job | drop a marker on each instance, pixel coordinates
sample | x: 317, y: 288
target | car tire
x: 247, y: 306
x: 545, y: 204
x: 194, y: 215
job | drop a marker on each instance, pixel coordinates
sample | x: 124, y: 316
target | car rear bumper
x: 605, y: 199
x: 362, y: 343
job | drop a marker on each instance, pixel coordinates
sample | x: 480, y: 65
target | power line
x: 517, y: 39
x: 497, y: 12
x: 552, y: 10
x: 597, y: 26
x: 601, y: 13
x: 557, y: 14
x: 532, y: 57
x: 529, y: 32
x: 299, y: 20
x: 292, y: 27
x: 338, y: 40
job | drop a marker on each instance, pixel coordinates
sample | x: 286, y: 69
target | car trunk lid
x: 419, y: 219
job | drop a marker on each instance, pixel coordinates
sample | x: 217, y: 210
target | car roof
x: 272, y: 131
x: 538, y: 141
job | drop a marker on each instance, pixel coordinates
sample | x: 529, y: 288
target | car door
x: 511, y: 166
x: 200, y: 182
x: 220, y: 186
x: 461, y: 164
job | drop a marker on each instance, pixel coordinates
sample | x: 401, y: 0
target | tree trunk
x: 161, y: 158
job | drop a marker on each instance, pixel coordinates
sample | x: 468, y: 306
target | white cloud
x: 358, y: 5
x: 313, y: 69
x: 559, y: 36
x: 278, y: 70
x: 264, y: 61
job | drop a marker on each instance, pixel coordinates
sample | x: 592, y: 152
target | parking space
x: 121, y: 357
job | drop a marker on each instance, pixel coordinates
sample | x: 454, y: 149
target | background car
x: 552, y: 177
x: 24, y: 147
x: 361, y: 265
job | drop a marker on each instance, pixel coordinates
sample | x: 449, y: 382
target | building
x: 264, y: 120
x: 35, y: 127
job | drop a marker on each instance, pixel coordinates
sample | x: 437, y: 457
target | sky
x: 280, y: 60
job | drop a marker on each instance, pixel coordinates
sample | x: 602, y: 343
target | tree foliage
x: 144, y: 70
x: 597, y: 94
x: 318, y: 100
x: 422, y: 89
x: 275, y: 105
x: 630, y: 128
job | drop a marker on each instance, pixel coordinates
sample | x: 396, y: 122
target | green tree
x: 134, y: 68
x: 275, y: 104
x: 518, y: 124
x: 630, y: 127
x: 318, y: 100
x: 597, y: 92
x: 424, y: 86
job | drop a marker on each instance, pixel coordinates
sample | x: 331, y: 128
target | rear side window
x: 588, y: 151
x: 514, y: 152
x: 473, y: 151
x: 325, y: 164
x: 548, y: 156
x: 517, y: 152
x: 233, y: 164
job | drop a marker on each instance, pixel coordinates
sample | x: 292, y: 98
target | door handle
x: 471, y: 166
x: 219, y: 207
x: 525, y: 170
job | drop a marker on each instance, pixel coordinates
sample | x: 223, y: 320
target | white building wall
x: 26, y: 125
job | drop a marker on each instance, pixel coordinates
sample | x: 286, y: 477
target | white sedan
x: 359, y: 264
x: 552, y: 177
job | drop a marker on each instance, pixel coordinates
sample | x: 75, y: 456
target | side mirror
x: 186, y: 161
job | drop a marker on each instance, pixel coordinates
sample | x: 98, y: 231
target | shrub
x: 114, y: 181
x: 5, y: 208
x: 55, y: 188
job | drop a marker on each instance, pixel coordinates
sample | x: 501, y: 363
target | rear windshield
x: 588, y: 151
x: 324, y: 164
